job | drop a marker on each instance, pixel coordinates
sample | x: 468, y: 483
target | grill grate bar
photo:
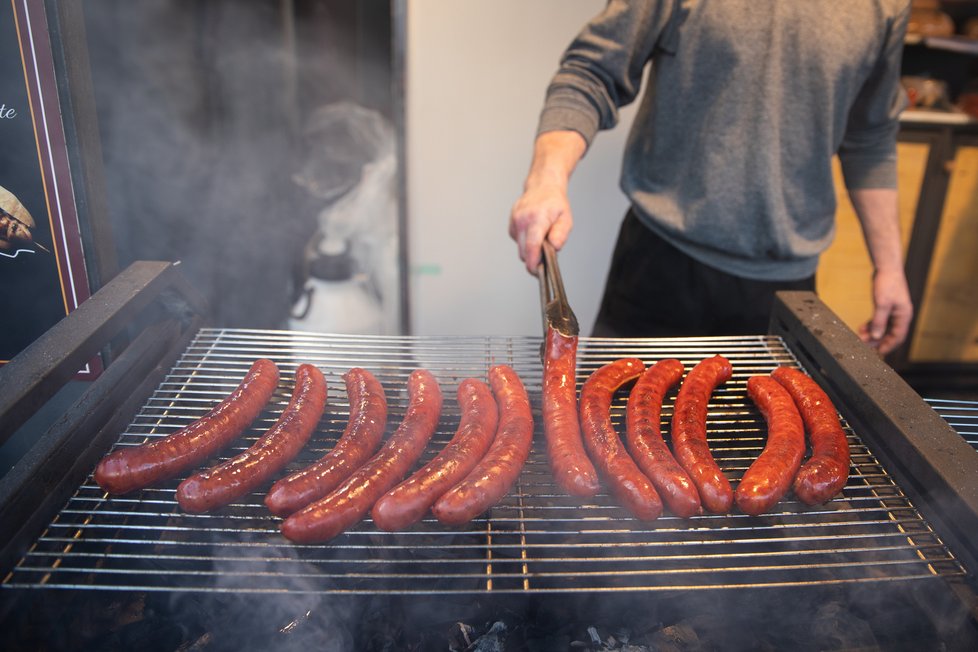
x: 535, y: 540
x: 961, y: 415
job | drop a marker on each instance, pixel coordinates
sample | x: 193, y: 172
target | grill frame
x: 809, y: 331
x: 537, y: 541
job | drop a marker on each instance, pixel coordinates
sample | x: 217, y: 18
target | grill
x: 535, y: 540
x: 895, y: 552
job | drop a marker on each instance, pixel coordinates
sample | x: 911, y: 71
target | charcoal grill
x: 902, y: 520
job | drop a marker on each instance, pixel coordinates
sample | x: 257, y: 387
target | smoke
x: 199, y: 107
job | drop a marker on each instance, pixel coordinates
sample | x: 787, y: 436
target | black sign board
x: 43, y: 271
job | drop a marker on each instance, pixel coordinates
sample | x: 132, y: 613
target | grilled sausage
x: 572, y: 470
x: 361, y: 438
x: 408, y: 502
x: 689, y: 432
x: 825, y: 473
x: 349, y: 503
x: 627, y: 482
x: 131, y: 468
x: 230, y: 480
x: 645, y: 442
x: 493, y: 476
x: 770, y: 476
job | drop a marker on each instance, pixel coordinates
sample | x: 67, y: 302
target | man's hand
x: 878, y: 214
x: 893, y: 312
x: 543, y: 210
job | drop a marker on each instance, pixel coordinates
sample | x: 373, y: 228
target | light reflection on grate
x: 535, y: 540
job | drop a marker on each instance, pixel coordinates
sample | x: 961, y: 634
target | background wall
x: 476, y: 72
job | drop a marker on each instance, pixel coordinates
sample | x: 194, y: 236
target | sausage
x: 689, y: 432
x: 349, y: 503
x: 232, y: 479
x: 627, y: 482
x: 572, y: 470
x: 131, y: 468
x: 827, y: 470
x: 361, y: 438
x: 408, y: 502
x: 494, y: 475
x: 770, y: 476
x: 644, y: 437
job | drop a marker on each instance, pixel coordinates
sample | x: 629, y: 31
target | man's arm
x: 543, y: 210
x: 878, y: 214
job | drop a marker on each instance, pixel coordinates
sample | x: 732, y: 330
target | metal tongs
x: 557, y: 313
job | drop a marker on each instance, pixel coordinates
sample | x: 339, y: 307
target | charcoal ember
x: 462, y: 638
x: 680, y: 637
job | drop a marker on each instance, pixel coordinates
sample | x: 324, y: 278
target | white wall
x: 476, y: 72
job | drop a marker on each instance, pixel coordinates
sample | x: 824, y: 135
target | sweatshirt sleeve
x: 602, y: 68
x: 868, y: 149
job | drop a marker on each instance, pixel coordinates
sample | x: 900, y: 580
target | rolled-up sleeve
x: 868, y: 149
x: 602, y: 68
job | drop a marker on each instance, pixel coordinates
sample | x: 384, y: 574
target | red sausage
x: 230, y: 480
x: 572, y: 470
x: 131, y: 468
x: 770, y: 476
x: 632, y: 488
x: 493, y: 476
x: 689, y: 432
x: 408, y: 502
x: 350, y: 502
x: 361, y: 438
x: 645, y: 442
x: 827, y: 470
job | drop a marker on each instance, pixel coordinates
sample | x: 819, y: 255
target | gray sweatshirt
x: 729, y: 156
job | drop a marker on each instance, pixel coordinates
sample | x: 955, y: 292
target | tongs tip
x: 557, y: 313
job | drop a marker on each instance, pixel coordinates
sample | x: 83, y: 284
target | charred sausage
x: 770, y: 476
x: 349, y: 503
x: 572, y: 470
x: 825, y: 473
x: 131, y: 468
x: 230, y: 480
x: 689, y: 432
x: 644, y: 437
x: 408, y: 502
x: 361, y: 438
x: 627, y: 482
x: 493, y: 476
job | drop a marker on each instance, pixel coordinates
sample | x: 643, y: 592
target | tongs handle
x: 557, y: 312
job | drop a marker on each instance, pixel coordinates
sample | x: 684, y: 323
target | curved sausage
x: 770, y: 476
x: 230, y: 480
x: 572, y: 470
x: 130, y: 468
x: 493, y: 476
x: 408, y: 502
x: 644, y: 437
x: 627, y: 482
x: 361, y: 438
x: 827, y: 470
x: 350, y: 502
x: 689, y: 432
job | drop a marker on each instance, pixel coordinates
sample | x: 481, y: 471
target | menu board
x: 42, y: 265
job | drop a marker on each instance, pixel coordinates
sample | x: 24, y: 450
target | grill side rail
x: 151, y: 311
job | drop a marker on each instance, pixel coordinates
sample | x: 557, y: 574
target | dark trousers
x: 655, y: 290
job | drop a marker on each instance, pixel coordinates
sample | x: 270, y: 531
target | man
x: 728, y: 163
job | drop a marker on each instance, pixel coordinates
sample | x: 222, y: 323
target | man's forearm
x: 878, y: 213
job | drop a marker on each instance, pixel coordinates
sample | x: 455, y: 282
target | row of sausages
x: 583, y: 446
x: 470, y: 474
x: 481, y: 462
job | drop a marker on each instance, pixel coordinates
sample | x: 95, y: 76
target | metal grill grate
x: 961, y: 415
x: 535, y: 540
